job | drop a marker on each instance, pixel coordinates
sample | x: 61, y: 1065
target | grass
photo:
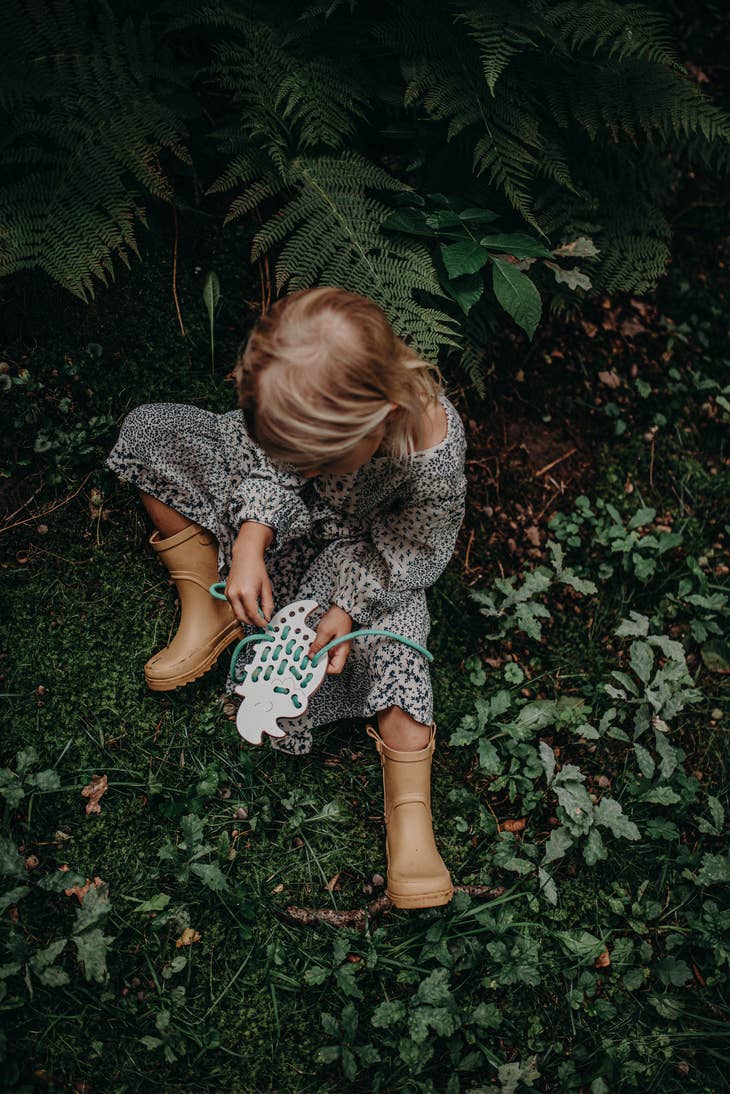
x: 509, y: 994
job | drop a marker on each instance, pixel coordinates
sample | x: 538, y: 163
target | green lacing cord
x: 305, y: 662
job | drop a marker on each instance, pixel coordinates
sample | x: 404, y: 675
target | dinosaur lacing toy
x: 281, y: 678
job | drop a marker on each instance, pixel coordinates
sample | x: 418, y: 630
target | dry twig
x: 357, y: 917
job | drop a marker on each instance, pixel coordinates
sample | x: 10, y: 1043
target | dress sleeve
x: 271, y: 494
x: 409, y: 547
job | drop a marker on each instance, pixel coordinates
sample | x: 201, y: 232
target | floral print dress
x: 371, y: 541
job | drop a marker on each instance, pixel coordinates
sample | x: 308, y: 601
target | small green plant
x: 184, y: 856
x: 638, y: 547
x: 520, y: 606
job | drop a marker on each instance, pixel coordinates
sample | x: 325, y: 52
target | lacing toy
x: 280, y: 680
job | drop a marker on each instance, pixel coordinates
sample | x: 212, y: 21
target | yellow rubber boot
x: 417, y: 876
x: 206, y: 625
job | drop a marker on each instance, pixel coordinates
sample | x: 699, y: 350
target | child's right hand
x: 248, y: 580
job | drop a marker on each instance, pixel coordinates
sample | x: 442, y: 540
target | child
x: 340, y: 479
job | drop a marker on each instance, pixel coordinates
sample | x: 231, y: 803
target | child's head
x: 324, y: 381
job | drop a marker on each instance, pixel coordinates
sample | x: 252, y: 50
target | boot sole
x: 421, y: 900
x: 172, y: 682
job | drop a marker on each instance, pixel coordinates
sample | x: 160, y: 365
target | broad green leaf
x: 594, y: 849
x: 316, y: 975
x: 12, y: 896
x: 548, y: 887
x: 489, y: 760
x: 516, y: 244
x: 641, y: 656
x: 91, y: 948
x: 661, y: 795
x: 210, y: 875
x: 477, y: 216
x: 388, y: 1014
x: 45, y: 957
x: 671, y: 971
x: 93, y: 911
x: 11, y: 788
x: 574, y: 798
x: 511, y: 1075
x: 645, y: 760
x: 548, y: 760
x: 45, y: 780
x: 715, y: 869
x: 717, y: 811
x: 25, y: 759
x: 668, y: 1006
x: 12, y: 864
x: 716, y: 655
x: 466, y: 290
x: 486, y: 1015
x: 581, y: 944
x: 154, y: 904
x: 609, y: 813
x: 435, y: 989
x: 637, y: 625
x: 53, y: 977
x: 349, y: 1063
x: 349, y: 1021
x: 465, y: 257
x: 668, y: 755
x: 60, y: 880
x: 517, y: 295
x: 192, y: 831
x: 328, y: 1054
x: 644, y: 515
x: 411, y: 221
x: 558, y: 843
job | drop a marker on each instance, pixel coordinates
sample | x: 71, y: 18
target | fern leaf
x: 81, y: 142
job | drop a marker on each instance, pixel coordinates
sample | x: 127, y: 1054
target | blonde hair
x: 317, y: 374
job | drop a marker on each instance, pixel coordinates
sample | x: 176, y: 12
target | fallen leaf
x: 31, y: 862
x: 187, y: 938
x: 602, y: 961
x: 80, y: 891
x: 332, y: 883
x: 610, y: 379
x: 94, y: 791
x: 513, y: 825
x: 278, y: 888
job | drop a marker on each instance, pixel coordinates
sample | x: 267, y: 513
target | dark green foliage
x: 565, y: 119
x: 85, y: 126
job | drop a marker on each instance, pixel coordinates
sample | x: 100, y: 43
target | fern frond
x: 617, y: 30
x: 502, y: 30
x: 333, y: 236
x: 82, y: 143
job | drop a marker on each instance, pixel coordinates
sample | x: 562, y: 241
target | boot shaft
x: 406, y: 775
x: 190, y: 556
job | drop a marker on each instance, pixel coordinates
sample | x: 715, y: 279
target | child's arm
x: 270, y: 495
x: 248, y: 580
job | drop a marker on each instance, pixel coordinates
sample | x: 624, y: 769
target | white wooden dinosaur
x: 280, y: 679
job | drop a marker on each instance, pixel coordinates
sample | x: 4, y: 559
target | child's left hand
x: 333, y: 624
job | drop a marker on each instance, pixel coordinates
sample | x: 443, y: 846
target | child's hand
x: 247, y: 583
x: 333, y: 624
